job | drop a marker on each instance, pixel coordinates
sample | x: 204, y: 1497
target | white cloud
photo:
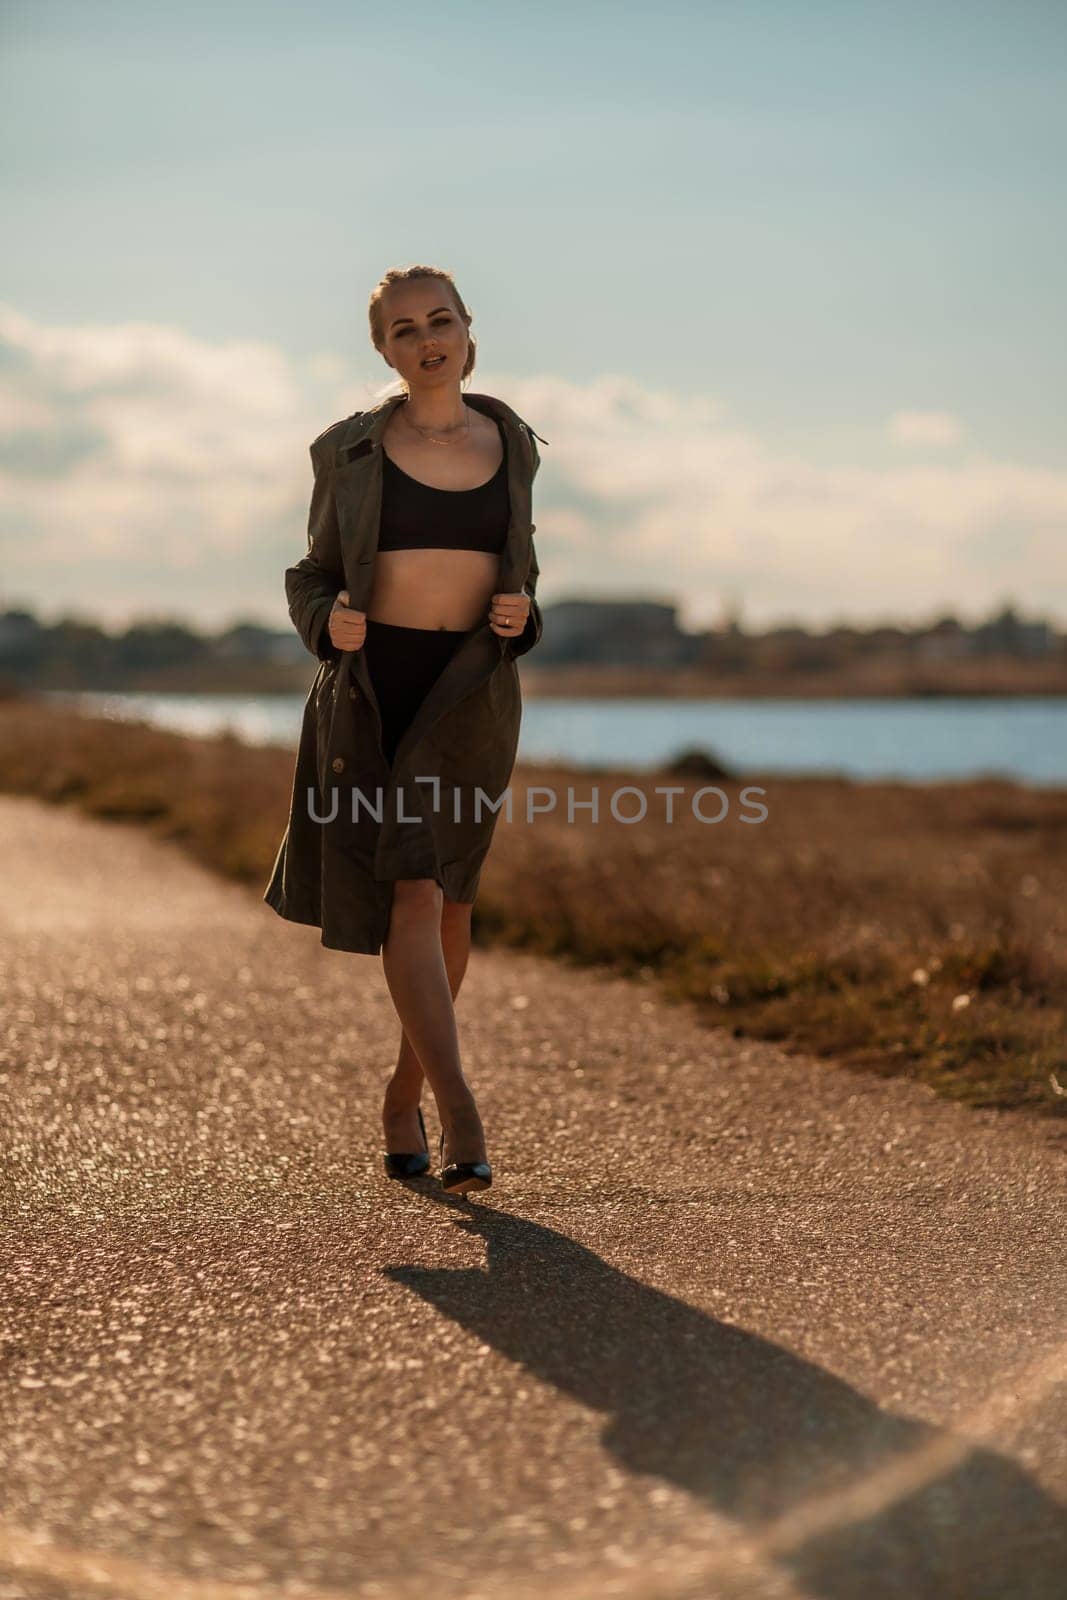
x: 140, y: 465
x: 136, y: 448
x: 925, y: 428
x: 691, y: 506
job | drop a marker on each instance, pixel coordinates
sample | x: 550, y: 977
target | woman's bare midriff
x: 433, y: 588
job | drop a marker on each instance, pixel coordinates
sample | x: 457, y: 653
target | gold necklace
x: 426, y: 433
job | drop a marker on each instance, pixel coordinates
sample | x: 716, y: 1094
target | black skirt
x: 403, y: 664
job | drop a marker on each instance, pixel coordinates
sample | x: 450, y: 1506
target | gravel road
x: 728, y: 1322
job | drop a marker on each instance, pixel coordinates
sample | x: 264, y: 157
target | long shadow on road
x: 749, y: 1427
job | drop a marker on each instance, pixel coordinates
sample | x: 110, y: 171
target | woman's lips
x: 436, y: 362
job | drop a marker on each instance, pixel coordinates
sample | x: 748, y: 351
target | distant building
x: 615, y: 633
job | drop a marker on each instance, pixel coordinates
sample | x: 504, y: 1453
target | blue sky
x: 780, y: 283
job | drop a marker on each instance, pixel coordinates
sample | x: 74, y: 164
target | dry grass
x: 913, y: 930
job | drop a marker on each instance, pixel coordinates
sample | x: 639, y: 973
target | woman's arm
x: 313, y: 584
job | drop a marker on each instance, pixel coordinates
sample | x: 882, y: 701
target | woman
x: 417, y: 593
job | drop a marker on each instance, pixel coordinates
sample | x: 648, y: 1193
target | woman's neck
x: 442, y: 413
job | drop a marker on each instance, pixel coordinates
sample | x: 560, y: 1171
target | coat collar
x: 370, y: 424
x: 366, y: 427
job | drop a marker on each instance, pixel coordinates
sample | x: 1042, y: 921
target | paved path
x: 727, y: 1323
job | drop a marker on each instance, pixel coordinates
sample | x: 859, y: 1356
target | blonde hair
x: 407, y: 275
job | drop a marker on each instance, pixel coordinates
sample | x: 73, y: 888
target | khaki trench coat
x: 355, y: 823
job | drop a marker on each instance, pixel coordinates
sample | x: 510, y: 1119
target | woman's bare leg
x: 424, y: 957
x: 403, y: 1092
x: 456, y: 940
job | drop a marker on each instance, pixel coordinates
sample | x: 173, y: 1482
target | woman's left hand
x: 508, y: 614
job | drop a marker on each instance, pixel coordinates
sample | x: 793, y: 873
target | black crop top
x: 416, y: 516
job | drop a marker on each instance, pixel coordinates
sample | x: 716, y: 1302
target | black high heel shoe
x: 462, y: 1177
x: 409, y: 1166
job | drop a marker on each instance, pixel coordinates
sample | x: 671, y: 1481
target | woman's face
x: 420, y: 319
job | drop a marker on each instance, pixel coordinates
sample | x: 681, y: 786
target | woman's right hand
x: 347, y: 629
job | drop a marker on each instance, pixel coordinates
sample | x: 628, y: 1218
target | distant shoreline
x: 990, y: 677
x: 879, y: 681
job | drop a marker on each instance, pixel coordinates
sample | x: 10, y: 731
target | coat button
x: 338, y: 764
